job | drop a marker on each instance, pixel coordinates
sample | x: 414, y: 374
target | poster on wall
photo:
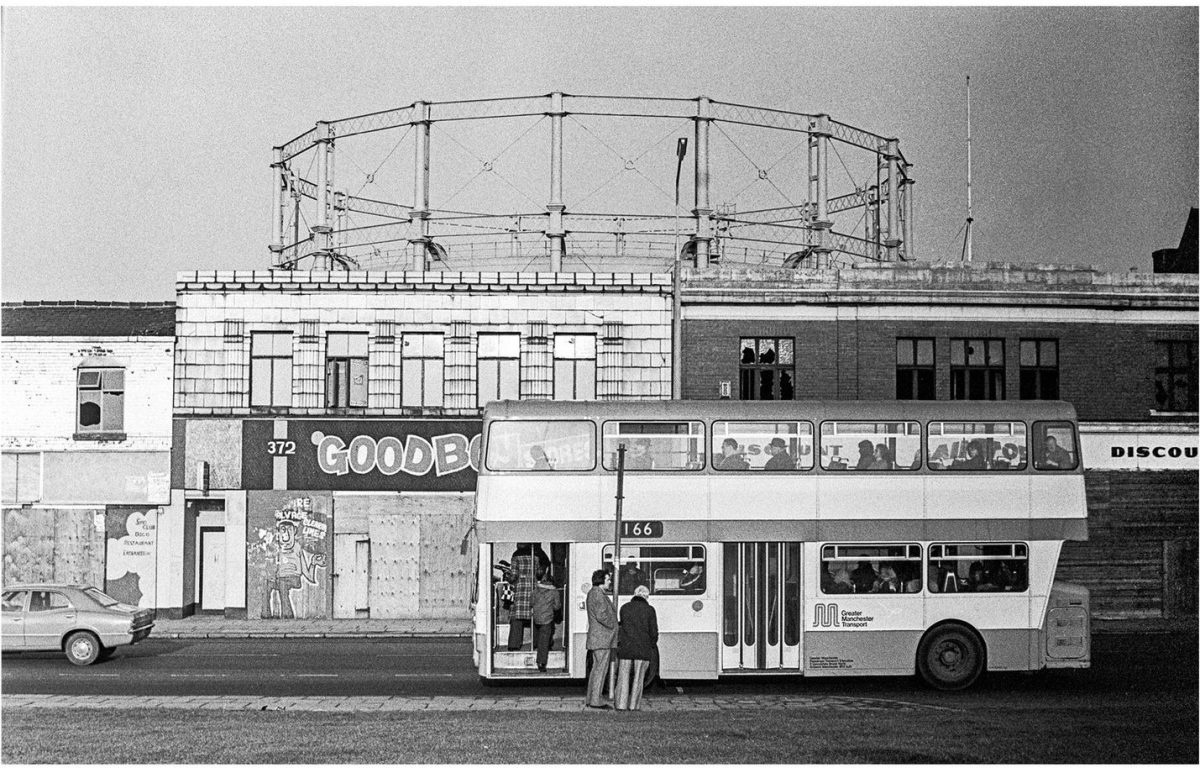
x: 130, y: 538
x: 288, y: 543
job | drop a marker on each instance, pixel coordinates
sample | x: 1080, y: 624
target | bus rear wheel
x: 950, y: 657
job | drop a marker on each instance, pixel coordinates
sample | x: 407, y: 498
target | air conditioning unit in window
x: 726, y: 389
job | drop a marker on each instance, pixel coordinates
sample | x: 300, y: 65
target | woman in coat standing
x: 636, y: 640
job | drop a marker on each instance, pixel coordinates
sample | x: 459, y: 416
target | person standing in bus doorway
x: 546, y: 601
x: 635, y: 648
x: 601, y: 637
x: 522, y: 605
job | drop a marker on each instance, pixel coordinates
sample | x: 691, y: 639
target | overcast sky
x: 137, y: 141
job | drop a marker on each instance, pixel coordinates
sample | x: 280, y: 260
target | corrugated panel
x: 395, y: 567
x: 1132, y: 518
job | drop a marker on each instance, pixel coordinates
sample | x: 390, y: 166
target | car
x: 79, y: 620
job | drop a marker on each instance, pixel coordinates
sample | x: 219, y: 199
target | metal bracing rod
x: 702, y: 211
x: 555, y: 208
x: 277, y: 210
x: 419, y: 216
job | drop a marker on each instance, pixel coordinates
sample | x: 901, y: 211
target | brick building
x: 86, y: 442
x: 326, y: 424
x: 1121, y: 348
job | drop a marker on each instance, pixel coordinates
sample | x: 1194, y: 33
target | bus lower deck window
x: 978, y: 568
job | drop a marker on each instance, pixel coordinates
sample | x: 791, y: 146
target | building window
x: 976, y: 369
x: 499, y: 367
x: 767, y: 369
x: 1175, y: 376
x: 1039, y: 369
x: 346, y: 370
x: 100, y: 401
x: 574, y: 366
x: 423, y: 361
x: 271, y: 369
x: 915, y: 376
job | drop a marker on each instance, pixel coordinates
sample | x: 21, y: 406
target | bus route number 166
x: 652, y: 529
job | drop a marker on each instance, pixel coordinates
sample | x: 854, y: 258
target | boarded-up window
x: 101, y: 400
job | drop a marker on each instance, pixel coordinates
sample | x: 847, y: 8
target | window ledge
x: 115, y: 437
x: 1172, y: 414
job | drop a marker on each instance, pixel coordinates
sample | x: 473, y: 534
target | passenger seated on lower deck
x: 979, y: 579
x: 836, y: 583
x: 863, y: 577
x: 909, y: 577
x: 886, y: 581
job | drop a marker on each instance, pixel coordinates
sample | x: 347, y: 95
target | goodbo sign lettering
x: 444, y: 454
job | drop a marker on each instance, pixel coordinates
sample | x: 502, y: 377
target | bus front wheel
x: 950, y: 657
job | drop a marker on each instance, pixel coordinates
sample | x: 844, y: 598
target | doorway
x: 513, y: 642
x: 212, y: 569
x: 760, y: 620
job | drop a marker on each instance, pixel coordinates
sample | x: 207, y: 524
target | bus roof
x: 809, y: 410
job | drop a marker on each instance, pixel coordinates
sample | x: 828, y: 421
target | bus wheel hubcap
x: 950, y: 656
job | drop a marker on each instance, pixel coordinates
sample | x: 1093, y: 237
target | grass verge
x: 1107, y: 734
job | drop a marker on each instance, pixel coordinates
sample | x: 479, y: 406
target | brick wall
x: 1106, y: 370
x: 39, y: 391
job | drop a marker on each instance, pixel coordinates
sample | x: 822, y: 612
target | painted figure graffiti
x: 292, y: 559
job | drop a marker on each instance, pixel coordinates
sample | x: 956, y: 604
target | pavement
x: 540, y: 703
x: 219, y: 627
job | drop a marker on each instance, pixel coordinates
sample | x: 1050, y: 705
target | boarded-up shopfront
x: 343, y: 518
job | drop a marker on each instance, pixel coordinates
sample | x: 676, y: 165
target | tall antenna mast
x: 966, y: 257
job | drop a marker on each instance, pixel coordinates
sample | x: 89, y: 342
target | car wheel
x: 950, y: 657
x: 82, y: 648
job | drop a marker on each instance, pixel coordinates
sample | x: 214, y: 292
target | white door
x: 352, y: 575
x: 212, y: 569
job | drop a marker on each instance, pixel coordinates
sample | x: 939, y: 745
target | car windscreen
x: 101, y: 598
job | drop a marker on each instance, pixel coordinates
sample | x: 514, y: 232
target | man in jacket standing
x: 639, y: 636
x: 602, y: 635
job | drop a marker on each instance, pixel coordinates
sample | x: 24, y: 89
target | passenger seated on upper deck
x: 731, y: 457
x: 974, y: 458
x: 883, y: 458
x: 1054, y: 456
x: 780, y: 460
x: 866, y: 455
x: 863, y: 577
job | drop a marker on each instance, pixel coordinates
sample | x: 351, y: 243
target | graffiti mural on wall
x: 130, y: 570
x: 288, y: 556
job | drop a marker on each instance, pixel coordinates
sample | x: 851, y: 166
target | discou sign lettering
x: 444, y: 454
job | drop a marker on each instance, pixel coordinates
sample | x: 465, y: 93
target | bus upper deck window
x: 870, y: 445
x: 772, y: 446
x: 655, y: 445
x: 1054, y: 446
x: 977, y: 445
x: 541, y: 446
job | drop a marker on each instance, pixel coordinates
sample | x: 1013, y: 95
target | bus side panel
x: 1011, y: 650
x: 881, y: 652
x: 688, y: 656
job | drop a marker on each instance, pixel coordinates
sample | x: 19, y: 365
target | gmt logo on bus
x: 827, y: 615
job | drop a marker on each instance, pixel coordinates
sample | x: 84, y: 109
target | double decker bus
x: 808, y: 538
